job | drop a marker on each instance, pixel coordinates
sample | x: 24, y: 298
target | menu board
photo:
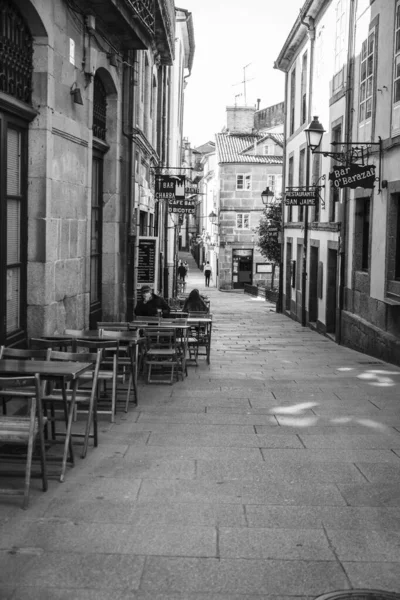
x: 148, y: 259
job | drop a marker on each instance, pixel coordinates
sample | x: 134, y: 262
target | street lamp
x: 266, y: 196
x: 213, y: 218
x: 314, y: 134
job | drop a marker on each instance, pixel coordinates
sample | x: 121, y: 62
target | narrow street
x: 272, y: 472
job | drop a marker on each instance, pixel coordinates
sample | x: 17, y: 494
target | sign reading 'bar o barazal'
x: 300, y: 197
x: 353, y: 176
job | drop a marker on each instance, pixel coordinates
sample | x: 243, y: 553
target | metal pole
x: 305, y: 243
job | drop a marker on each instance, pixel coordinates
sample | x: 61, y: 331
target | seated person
x: 194, y: 302
x: 150, y: 303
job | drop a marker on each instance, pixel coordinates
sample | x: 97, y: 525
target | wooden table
x: 53, y: 370
x: 130, y: 338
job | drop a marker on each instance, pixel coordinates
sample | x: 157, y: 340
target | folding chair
x: 108, y: 371
x: 202, y: 330
x: 161, y: 354
x: 20, y: 354
x: 85, y: 398
x: 127, y: 362
x: 24, y: 430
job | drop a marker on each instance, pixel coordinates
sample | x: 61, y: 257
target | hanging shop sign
x: 353, y: 176
x: 182, y: 207
x: 170, y: 187
x: 300, y: 197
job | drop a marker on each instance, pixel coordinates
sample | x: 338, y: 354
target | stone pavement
x: 272, y: 473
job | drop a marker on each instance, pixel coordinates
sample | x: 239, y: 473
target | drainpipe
x: 348, y: 124
x: 164, y: 142
x: 311, y: 34
x: 131, y: 233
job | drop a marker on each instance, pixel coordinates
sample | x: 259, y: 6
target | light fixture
x: 112, y: 59
x: 314, y: 133
x: 266, y: 196
x: 76, y: 93
x: 213, y: 218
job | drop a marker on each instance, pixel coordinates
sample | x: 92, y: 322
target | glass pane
x: 398, y: 17
x: 396, y: 91
x: 94, y: 281
x: 13, y: 231
x: 363, y: 70
x: 371, y: 43
x: 95, y: 232
x: 368, y: 108
x: 13, y: 162
x: 397, y: 67
x: 248, y: 182
x: 364, y: 50
x: 362, y: 111
x: 370, y: 65
x: 369, y: 87
x: 95, y: 182
x: 239, y: 221
x: 246, y: 220
x: 362, y: 92
x: 397, y: 44
x: 13, y: 299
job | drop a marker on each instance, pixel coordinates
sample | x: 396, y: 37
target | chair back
x: 51, y: 342
x: 113, y: 325
x: 160, y: 338
x: 22, y: 354
x: 200, y: 315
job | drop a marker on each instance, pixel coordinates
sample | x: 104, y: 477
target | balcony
x: 135, y: 24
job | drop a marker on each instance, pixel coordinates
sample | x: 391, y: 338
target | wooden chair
x: 85, y: 398
x: 19, y: 354
x: 24, y: 429
x: 202, y: 331
x: 108, y: 371
x: 126, y: 364
x: 161, y: 355
x: 62, y: 344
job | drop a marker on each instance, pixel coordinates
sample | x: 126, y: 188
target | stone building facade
x: 89, y: 93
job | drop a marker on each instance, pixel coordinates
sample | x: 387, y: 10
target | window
x: 292, y: 100
x: 243, y: 221
x: 366, y: 209
x: 269, y: 149
x: 367, y: 77
x: 340, y: 45
x: 304, y: 89
x: 243, y: 182
x: 334, y: 191
x: 290, y: 184
x: 396, y: 76
x: 302, y: 172
x: 274, y: 182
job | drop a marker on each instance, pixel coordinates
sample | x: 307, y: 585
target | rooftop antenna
x: 236, y: 97
x: 244, y: 82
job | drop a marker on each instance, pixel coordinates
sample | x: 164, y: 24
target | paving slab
x: 270, y: 474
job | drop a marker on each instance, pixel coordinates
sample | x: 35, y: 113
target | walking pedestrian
x: 207, y: 273
x: 182, y: 272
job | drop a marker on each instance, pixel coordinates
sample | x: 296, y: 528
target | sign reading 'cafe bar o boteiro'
x: 353, y: 176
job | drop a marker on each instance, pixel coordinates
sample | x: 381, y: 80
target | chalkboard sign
x: 148, y: 261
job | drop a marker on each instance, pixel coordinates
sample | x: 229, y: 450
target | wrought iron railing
x: 144, y: 10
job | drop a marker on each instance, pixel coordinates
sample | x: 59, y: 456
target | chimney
x: 240, y: 119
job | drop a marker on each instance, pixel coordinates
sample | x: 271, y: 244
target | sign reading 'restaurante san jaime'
x: 353, y: 176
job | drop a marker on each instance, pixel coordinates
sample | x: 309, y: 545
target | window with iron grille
x: 367, y: 77
x: 99, y: 109
x: 16, y: 52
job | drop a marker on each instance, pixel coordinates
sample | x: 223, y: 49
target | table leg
x: 68, y: 438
